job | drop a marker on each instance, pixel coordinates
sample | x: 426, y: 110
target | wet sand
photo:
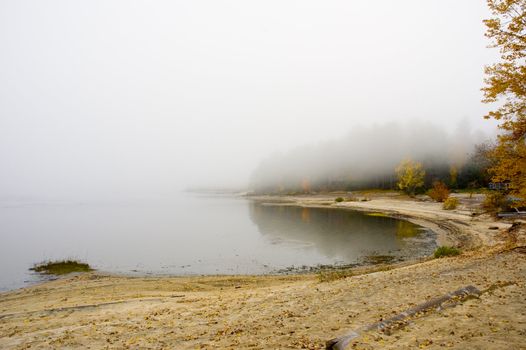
x: 96, y: 311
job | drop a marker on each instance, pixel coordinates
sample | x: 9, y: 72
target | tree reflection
x: 344, y: 235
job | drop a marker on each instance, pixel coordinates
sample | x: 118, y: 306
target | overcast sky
x: 120, y: 97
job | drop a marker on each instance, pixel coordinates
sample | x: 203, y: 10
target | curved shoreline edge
x: 457, y: 227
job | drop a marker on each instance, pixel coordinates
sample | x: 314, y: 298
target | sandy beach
x: 98, y: 311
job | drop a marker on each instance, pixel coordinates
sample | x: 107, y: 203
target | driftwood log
x: 341, y: 343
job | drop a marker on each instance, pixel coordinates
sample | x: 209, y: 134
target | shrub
x: 450, y: 203
x: 439, y: 192
x: 495, y: 202
x: 339, y: 199
x: 443, y: 251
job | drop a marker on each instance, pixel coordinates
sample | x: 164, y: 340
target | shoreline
x: 321, y: 202
x: 457, y: 227
x: 290, y: 311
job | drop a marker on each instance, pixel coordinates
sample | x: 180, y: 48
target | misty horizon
x: 170, y: 96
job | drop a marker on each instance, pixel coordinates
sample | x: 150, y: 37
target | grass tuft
x: 339, y: 200
x: 444, y: 251
x: 61, y: 267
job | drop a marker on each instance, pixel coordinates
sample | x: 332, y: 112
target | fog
x: 139, y: 98
x: 368, y: 156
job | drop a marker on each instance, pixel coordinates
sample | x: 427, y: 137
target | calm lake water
x: 196, y: 234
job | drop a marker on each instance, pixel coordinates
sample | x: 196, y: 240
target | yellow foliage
x: 450, y: 203
x: 453, y: 175
x: 410, y: 176
x: 506, y: 82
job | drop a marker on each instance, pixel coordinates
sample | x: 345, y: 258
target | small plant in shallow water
x: 444, y: 251
x: 339, y: 200
x: 61, y: 267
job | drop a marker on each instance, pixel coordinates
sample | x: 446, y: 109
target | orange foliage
x: 439, y: 192
x: 506, y: 82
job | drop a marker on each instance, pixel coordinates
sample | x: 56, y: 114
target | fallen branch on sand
x: 341, y: 343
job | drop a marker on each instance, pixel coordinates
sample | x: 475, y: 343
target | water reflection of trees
x: 338, y: 234
x: 406, y: 229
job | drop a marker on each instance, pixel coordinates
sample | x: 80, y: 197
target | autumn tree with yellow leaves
x: 410, y: 176
x: 506, y: 82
